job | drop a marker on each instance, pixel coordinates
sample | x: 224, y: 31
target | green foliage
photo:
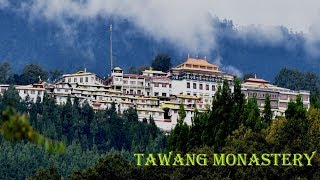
x: 49, y: 174
x: 162, y: 62
x: 16, y: 127
x: 88, y: 136
x: 267, y: 112
x: 138, y: 69
x: 247, y: 76
x: 5, y: 73
x: 31, y: 73
x: 314, y: 100
x: 54, y: 75
x: 298, y: 80
x: 178, y: 138
x: 252, y: 114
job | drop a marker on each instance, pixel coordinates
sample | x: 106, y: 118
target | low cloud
x: 227, y: 68
x: 188, y: 24
x: 4, y: 3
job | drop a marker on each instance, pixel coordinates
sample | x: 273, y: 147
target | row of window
x: 162, y: 85
x: 86, y: 79
x: 31, y: 92
x: 133, y: 82
x: 262, y: 95
x: 65, y: 90
x: 201, y: 86
x: 162, y: 94
x: 150, y: 113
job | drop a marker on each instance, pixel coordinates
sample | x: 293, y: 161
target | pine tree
x: 252, y: 114
x: 238, y: 106
x: 179, y: 136
x: 267, y: 112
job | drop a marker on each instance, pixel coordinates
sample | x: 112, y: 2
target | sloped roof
x: 199, y: 62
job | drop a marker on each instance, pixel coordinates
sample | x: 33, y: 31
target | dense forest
x: 88, y: 136
x: 100, y: 145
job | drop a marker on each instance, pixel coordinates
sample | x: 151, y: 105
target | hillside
x: 24, y: 40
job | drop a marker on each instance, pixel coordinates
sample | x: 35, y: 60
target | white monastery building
x: 158, y: 94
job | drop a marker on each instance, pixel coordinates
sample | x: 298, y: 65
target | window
x: 81, y: 79
x: 25, y: 92
x: 164, y: 85
x: 69, y: 79
x: 156, y: 85
x: 156, y: 94
x: 213, y: 87
x: 207, y: 86
x: 139, y: 91
x: 200, y: 86
x: 125, y: 82
x: 188, y: 85
x: 66, y: 90
x: 164, y: 94
x: 194, y: 86
x: 75, y: 80
x: 87, y: 79
x: 32, y: 92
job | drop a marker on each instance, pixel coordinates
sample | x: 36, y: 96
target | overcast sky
x: 297, y: 15
x: 187, y: 23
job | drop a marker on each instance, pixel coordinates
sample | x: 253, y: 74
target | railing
x: 197, y: 78
x: 276, y: 90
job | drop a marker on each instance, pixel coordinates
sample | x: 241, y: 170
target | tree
x: 48, y: 174
x: 314, y: 100
x: 292, y: 133
x: 140, y: 69
x: 267, y: 113
x: 132, y: 70
x: 297, y: 80
x: 179, y: 136
x: 31, y: 74
x: 54, y: 75
x: 251, y: 115
x: 67, y: 119
x: 238, y: 105
x: 247, y: 76
x: 5, y: 72
x: 162, y: 62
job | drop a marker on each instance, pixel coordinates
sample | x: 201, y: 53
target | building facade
x: 279, y: 97
x: 159, y: 94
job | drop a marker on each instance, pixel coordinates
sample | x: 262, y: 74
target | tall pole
x: 111, y: 64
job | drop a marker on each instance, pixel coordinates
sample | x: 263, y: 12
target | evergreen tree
x: 315, y: 100
x: 162, y: 62
x: 238, y: 105
x: 267, y: 112
x: 179, y: 136
x: 67, y: 119
x: 251, y: 115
